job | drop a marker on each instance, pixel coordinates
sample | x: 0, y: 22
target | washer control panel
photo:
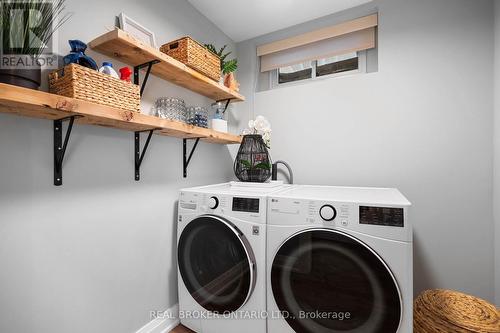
x: 248, y: 208
x: 248, y: 205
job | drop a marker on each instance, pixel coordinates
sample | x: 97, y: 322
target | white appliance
x: 339, y: 259
x: 221, y: 244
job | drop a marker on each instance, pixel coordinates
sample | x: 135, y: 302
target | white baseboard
x: 164, y: 324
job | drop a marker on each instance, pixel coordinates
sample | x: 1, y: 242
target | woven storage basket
x: 193, y: 54
x: 87, y: 84
x: 445, y: 311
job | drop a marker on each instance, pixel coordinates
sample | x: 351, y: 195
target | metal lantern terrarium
x: 253, y: 163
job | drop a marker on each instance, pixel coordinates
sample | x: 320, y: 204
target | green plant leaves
x: 248, y: 164
x: 264, y: 166
x: 261, y: 165
x: 226, y: 66
x: 224, y: 56
x: 221, y: 54
x: 230, y: 66
x: 211, y: 48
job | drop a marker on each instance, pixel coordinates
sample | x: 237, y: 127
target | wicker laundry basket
x: 445, y: 311
x: 193, y: 54
x: 87, y: 84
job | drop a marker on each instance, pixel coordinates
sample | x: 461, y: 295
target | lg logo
x: 255, y: 231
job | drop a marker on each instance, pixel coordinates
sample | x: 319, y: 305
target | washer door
x: 216, y: 263
x: 326, y: 281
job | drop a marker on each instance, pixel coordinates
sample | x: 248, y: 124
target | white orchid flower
x: 261, y: 123
x: 267, y: 139
x: 267, y: 128
x: 260, y: 126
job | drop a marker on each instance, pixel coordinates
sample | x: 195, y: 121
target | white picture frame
x: 137, y: 30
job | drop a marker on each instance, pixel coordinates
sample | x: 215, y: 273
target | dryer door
x: 326, y: 281
x: 216, y: 263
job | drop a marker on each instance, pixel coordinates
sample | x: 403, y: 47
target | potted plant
x: 228, y: 67
x: 26, y: 37
x: 253, y: 162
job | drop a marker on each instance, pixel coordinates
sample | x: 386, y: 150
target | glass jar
x: 220, y: 109
x: 170, y: 108
x: 197, y: 116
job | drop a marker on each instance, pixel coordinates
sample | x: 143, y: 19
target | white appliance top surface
x: 235, y: 188
x: 367, y: 195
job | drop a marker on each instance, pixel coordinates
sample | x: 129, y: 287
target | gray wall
x: 97, y: 254
x: 496, y: 152
x: 423, y: 124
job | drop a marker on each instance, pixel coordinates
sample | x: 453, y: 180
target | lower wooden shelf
x: 38, y: 104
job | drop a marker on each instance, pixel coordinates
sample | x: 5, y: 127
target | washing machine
x: 222, y: 256
x: 339, y: 259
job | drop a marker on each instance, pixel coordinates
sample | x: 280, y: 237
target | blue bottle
x: 77, y: 55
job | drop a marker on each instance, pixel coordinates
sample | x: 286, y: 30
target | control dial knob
x: 328, y: 212
x: 213, y: 202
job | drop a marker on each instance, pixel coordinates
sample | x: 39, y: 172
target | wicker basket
x: 193, y: 54
x: 87, y: 84
x: 445, y: 311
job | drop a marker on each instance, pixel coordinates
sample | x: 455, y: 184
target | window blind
x: 351, y: 36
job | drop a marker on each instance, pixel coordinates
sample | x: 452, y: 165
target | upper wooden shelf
x: 122, y: 46
x: 39, y: 104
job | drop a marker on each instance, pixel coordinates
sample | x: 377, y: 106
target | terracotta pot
x: 231, y: 83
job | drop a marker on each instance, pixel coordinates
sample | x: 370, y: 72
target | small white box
x: 219, y: 125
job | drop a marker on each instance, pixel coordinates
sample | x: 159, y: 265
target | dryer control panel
x: 376, y: 220
x: 297, y: 212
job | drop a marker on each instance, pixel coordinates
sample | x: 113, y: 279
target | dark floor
x: 181, y: 329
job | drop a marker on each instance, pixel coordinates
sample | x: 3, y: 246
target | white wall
x: 423, y: 124
x: 496, y: 152
x: 97, y: 254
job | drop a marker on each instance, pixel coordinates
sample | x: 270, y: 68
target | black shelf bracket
x: 138, y: 155
x: 227, y: 104
x: 137, y: 68
x: 186, y: 158
x: 60, y: 146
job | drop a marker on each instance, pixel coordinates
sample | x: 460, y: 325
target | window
x: 295, y: 72
x: 337, y: 64
x: 329, y: 51
x: 345, y: 64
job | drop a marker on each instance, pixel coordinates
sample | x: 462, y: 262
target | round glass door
x: 325, y: 281
x: 216, y: 264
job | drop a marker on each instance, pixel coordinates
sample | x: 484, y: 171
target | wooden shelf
x: 122, y: 46
x: 38, y: 104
